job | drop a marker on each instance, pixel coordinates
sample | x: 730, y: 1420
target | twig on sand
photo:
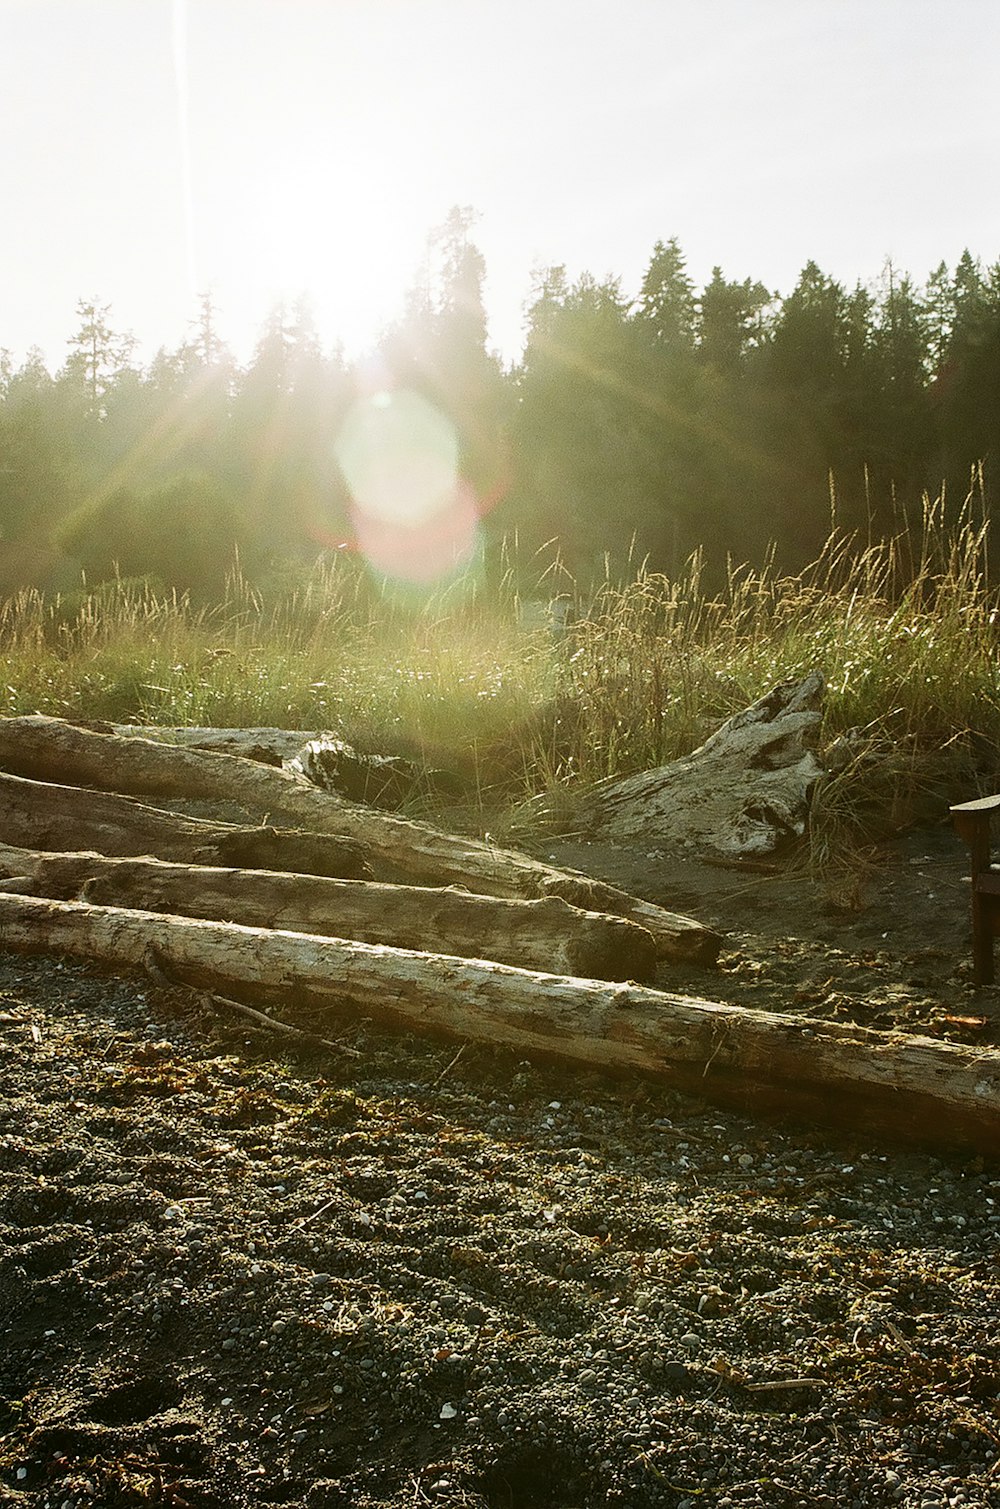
x: 155, y: 967
x: 447, y: 1068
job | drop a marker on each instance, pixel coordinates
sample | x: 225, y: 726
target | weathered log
x: 745, y: 791
x: 41, y: 815
x: 50, y: 749
x: 851, y: 1077
x: 324, y: 759
x: 269, y: 746
x: 544, y: 934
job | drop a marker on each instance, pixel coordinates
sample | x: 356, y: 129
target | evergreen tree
x: 731, y: 322
x: 98, y: 354
x: 966, y: 392
x: 666, y: 305
x: 900, y: 469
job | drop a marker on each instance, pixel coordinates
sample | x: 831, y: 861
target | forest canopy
x: 727, y: 418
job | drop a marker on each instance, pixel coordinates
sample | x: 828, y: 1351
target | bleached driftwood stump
x: 745, y: 791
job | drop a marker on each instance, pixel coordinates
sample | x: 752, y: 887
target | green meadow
x: 532, y: 713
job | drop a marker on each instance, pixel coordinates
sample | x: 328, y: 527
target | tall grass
x: 905, y: 632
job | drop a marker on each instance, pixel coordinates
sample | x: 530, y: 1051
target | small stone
x: 691, y: 1341
x: 447, y: 1412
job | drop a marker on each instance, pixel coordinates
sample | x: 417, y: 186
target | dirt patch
x: 385, y: 1274
x: 887, y: 946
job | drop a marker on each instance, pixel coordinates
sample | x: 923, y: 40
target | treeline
x: 726, y: 417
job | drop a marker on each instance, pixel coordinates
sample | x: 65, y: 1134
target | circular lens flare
x: 415, y: 517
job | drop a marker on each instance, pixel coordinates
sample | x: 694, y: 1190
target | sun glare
x: 346, y: 237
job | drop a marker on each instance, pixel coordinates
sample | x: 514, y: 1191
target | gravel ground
x: 385, y: 1274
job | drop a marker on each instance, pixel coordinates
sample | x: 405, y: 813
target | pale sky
x: 154, y: 149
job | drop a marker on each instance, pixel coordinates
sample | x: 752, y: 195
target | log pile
x: 344, y: 910
x: 50, y: 751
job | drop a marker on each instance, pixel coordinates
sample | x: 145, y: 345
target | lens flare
x: 415, y: 517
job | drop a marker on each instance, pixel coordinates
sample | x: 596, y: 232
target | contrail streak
x: 179, y: 33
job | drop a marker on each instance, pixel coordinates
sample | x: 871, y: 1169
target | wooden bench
x: 972, y: 821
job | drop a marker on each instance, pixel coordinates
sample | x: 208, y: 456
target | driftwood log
x: 48, y: 749
x: 867, y: 1082
x: 544, y: 934
x: 745, y: 791
x: 269, y: 746
x: 40, y: 815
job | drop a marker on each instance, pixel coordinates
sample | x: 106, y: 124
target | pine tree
x: 666, y: 304
x: 98, y: 354
x: 731, y: 321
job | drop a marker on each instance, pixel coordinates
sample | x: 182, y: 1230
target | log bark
x: 745, y: 791
x: 40, y: 815
x: 268, y: 746
x: 50, y: 749
x: 544, y: 934
x: 898, y: 1086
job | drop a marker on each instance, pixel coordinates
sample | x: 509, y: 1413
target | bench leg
x: 982, y: 939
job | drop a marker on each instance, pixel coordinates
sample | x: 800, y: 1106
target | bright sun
x: 344, y: 235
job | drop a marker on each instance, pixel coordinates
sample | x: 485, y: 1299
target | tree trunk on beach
x: 912, y: 1088
x: 544, y: 934
x: 39, y: 815
x: 48, y: 749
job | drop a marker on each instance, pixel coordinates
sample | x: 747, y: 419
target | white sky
x: 152, y: 149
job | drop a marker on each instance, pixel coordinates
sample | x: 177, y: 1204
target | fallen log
x: 871, y: 1083
x: 50, y: 749
x: 546, y: 933
x: 269, y: 746
x: 40, y: 815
